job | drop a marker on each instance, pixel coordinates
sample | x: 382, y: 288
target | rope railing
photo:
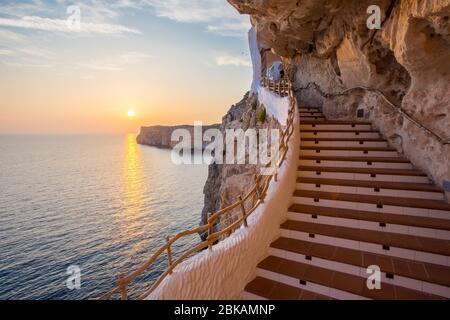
x: 252, y: 199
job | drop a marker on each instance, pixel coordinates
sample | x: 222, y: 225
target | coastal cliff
x: 337, y: 63
x: 226, y: 182
x: 160, y: 136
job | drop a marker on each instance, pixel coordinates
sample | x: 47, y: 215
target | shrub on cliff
x: 262, y: 116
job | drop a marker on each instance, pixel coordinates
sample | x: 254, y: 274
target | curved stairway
x: 358, y: 203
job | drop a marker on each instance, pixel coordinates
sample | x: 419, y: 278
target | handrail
x: 262, y: 183
x: 280, y: 87
x: 398, y: 109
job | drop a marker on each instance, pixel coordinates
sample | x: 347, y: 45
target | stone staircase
x: 358, y: 203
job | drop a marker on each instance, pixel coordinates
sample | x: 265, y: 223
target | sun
x: 131, y: 113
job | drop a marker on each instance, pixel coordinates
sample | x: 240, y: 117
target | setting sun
x: 131, y: 114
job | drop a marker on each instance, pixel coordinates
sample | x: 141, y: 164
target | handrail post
x: 121, y: 285
x: 243, y: 211
x: 169, y: 253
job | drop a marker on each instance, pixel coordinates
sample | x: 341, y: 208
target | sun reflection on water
x: 131, y: 217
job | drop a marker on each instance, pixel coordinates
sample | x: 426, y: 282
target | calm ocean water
x: 102, y: 203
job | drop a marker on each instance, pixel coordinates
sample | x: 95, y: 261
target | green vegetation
x: 262, y: 116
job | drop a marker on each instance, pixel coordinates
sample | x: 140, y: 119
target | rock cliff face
x: 336, y: 62
x: 226, y: 182
x: 160, y: 136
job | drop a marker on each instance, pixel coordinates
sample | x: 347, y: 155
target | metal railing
x: 252, y: 199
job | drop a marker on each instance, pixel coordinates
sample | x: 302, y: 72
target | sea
x: 77, y: 210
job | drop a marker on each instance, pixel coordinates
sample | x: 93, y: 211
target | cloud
x: 12, y: 37
x: 221, y: 18
x: 229, y: 60
x: 32, y: 65
x: 134, y: 57
x: 37, y: 52
x: 60, y: 25
x: 4, y: 52
x: 117, y: 63
x: 218, y: 15
x: 99, y: 66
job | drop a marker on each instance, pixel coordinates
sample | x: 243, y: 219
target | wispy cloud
x: 36, y: 52
x: 134, y: 57
x: 230, y: 29
x: 230, y: 60
x: 99, y: 66
x: 60, y: 25
x: 7, y: 36
x: 220, y: 17
x: 27, y: 65
x: 116, y: 63
x: 5, y: 52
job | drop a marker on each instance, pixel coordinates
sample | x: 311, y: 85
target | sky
x: 171, y: 61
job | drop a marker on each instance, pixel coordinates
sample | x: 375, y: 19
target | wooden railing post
x: 169, y: 253
x: 258, y: 192
x: 122, y: 286
x: 243, y: 211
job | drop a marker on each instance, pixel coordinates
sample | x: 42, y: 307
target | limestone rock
x: 226, y: 182
x: 160, y: 136
x: 337, y: 63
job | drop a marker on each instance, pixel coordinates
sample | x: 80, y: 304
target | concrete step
x: 374, y: 174
x: 365, y: 187
x: 355, y: 162
x: 410, y: 274
x: 335, y: 151
x: 335, y: 125
x: 262, y: 288
x: 409, y: 206
x: 369, y: 220
x: 423, y: 249
x: 330, y: 142
x: 316, y: 133
x: 334, y: 284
